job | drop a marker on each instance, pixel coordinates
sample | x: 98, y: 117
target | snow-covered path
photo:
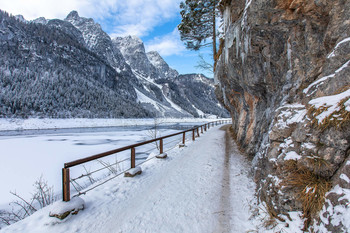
x: 237, y: 196
x: 200, y: 188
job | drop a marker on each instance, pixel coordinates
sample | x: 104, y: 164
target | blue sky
x: 154, y: 21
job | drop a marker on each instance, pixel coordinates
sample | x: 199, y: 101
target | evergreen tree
x: 198, y: 23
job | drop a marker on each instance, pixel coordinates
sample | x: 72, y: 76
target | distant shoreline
x: 11, y: 124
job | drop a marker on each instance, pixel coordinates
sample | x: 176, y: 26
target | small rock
x: 62, y: 209
x: 162, y: 156
x: 133, y: 172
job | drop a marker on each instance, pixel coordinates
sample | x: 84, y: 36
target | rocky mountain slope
x: 72, y: 68
x: 175, y: 95
x: 284, y: 75
x: 46, y: 72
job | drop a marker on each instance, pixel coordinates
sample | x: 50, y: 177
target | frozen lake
x: 28, y: 154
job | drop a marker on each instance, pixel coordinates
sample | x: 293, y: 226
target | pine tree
x: 198, y: 23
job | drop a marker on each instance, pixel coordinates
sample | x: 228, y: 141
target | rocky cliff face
x: 284, y: 75
x: 161, y: 66
x: 134, y: 53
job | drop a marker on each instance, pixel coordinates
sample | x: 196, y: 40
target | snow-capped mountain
x: 72, y: 68
x: 161, y: 66
x: 100, y: 43
x: 134, y: 53
x: 174, y: 93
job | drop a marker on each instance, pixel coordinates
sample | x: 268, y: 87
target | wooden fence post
x: 197, y: 131
x: 133, y: 157
x: 193, y: 137
x: 201, y: 129
x: 183, y: 138
x: 161, y: 146
x: 66, y: 184
x: 205, y: 127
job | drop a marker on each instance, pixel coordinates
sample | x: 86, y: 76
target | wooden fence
x: 66, y: 174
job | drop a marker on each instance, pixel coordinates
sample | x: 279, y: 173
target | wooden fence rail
x: 65, y: 170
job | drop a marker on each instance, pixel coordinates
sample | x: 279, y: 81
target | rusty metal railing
x: 132, y: 148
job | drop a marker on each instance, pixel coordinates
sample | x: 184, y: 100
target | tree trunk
x: 214, y: 32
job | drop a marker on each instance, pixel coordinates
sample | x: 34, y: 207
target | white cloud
x: 32, y: 9
x: 139, y: 17
x: 167, y: 45
x: 123, y: 17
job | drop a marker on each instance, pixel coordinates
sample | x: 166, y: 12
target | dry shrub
x: 342, y: 89
x: 21, y: 208
x: 269, y: 219
x: 317, y: 162
x: 284, y: 4
x: 269, y: 216
x: 310, y: 189
x: 337, y: 119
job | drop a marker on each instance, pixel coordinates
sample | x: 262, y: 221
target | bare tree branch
x: 204, y: 65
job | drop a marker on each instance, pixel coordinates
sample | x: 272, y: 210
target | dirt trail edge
x: 234, y: 213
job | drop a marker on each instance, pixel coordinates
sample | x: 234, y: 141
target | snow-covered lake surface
x: 26, y: 155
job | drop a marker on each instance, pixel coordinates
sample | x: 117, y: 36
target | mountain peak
x: 163, y: 68
x: 136, y: 38
x: 40, y: 20
x: 73, y: 15
x: 20, y: 18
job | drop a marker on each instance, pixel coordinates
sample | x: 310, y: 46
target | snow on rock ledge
x: 133, y: 172
x: 61, y: 209
x: 162, y: 156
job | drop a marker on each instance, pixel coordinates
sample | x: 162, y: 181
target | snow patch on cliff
x: 330, y: 104
x: 290, y: 114
x: 335, y: 214
x: 332, y: 54
x: 323, y: 79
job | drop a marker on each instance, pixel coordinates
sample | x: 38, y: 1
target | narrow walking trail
x: 203, y: 187
x: 238, y: 189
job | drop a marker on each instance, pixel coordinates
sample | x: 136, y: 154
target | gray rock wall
x: 284, y: 75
